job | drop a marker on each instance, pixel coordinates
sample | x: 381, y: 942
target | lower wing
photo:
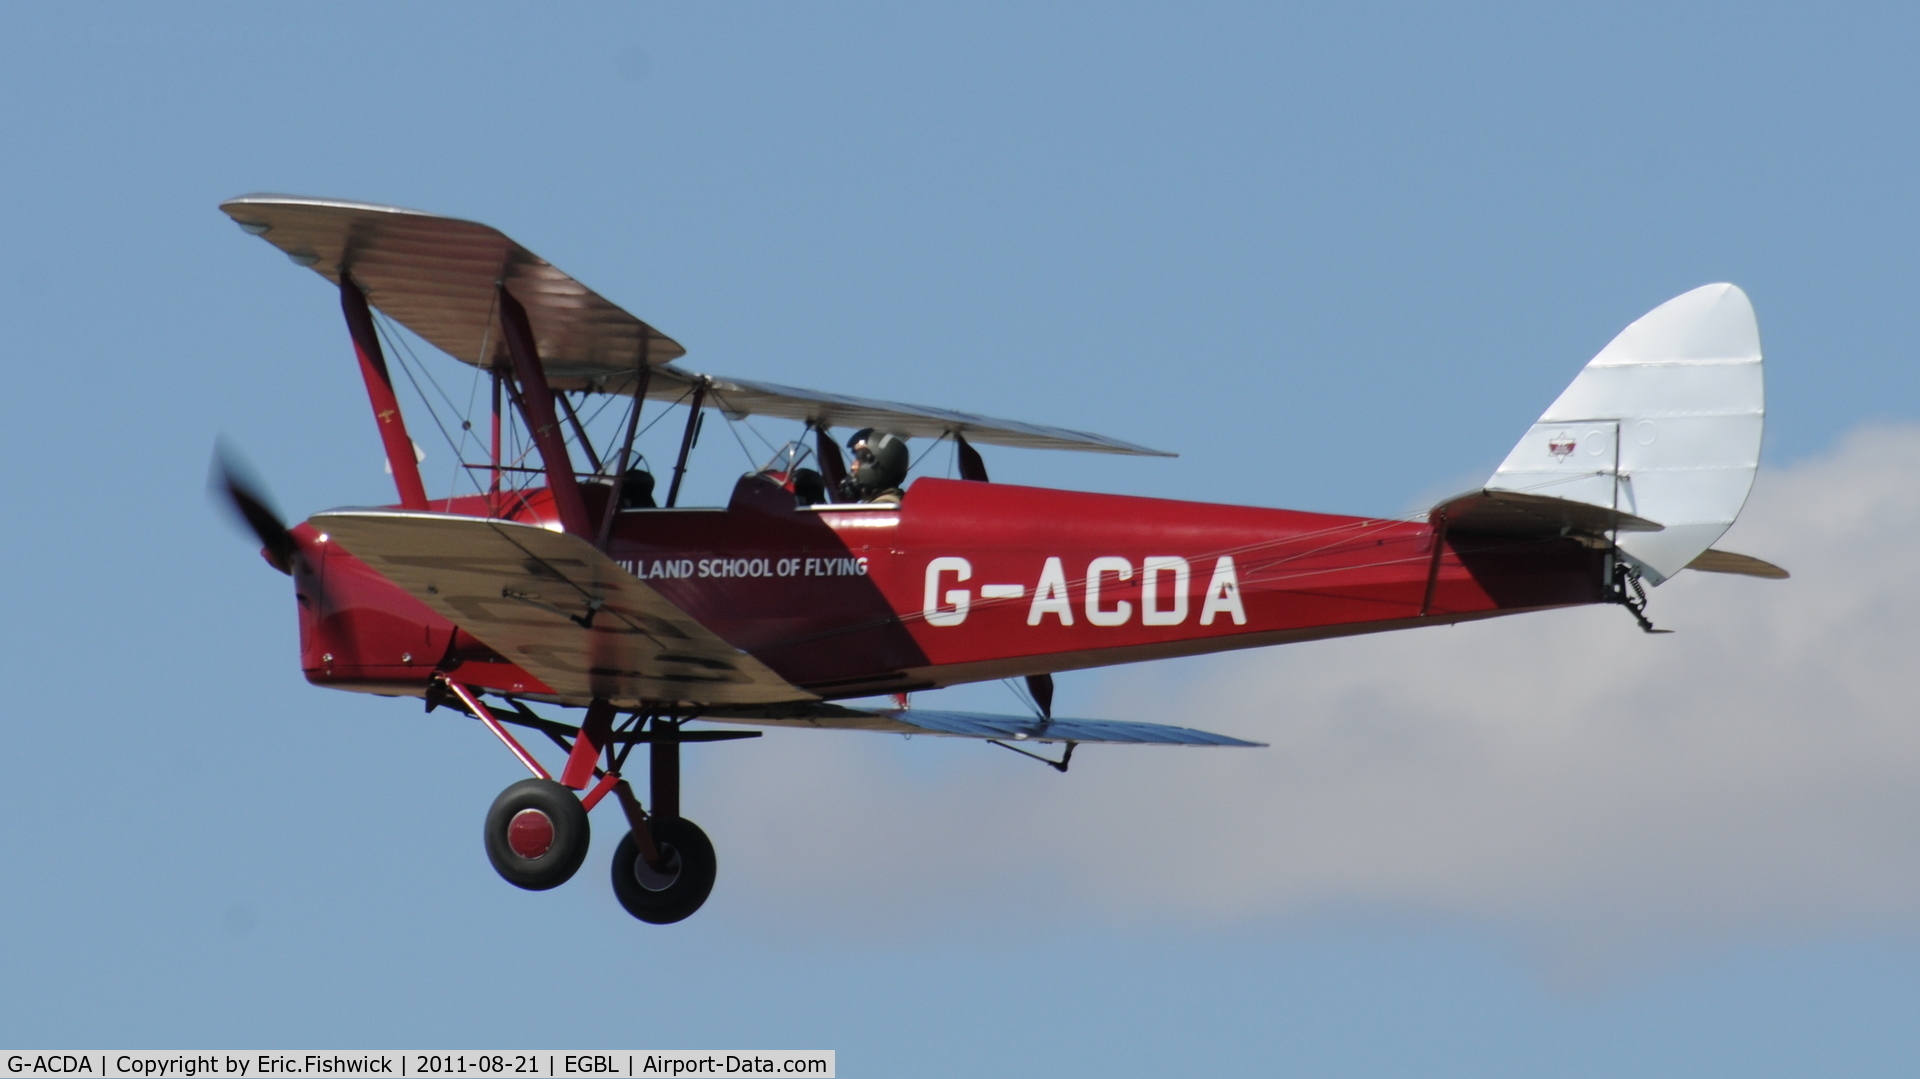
x: 558, y: 607
x: 972, y: 725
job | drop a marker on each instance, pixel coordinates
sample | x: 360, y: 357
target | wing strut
x: 687, y: 438
x: 493, y: 485
x: 536, y: 400
x: 625, y: 459
x: 833, y: 468
x: 971, y: 466
x: 579, y: 431
x: 1440, y: 520
x: 1057, y: 765
x: 386, y: 407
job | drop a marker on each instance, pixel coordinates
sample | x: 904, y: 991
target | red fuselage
x: 966, y: 581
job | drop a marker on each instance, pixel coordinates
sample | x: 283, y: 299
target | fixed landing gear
x: 537, y: 831
x: 664, y: 867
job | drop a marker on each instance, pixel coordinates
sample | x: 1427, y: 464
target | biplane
x: 552, y: 573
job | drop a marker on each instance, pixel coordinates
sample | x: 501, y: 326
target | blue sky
x: 1337, y: 258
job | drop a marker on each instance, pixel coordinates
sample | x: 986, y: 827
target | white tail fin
x: 1663, y: 424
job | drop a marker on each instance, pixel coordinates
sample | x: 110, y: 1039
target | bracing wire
x: 921, y: 458
x: 732, y: 424
x: 393, y: 336
x: 720, y: 405
x: 517, y: 449
x: 466, y: 432
x: 403, y: 353
x: 771, y: 448
x: 671, y: 405
x: 605, y: 400
x: 626, y: 419
x: 432, y: 413
x: 1020, y: 694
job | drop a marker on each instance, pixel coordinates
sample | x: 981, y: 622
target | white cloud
x: 1560, y: 774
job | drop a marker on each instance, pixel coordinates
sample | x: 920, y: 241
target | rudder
x: 1664, y: 424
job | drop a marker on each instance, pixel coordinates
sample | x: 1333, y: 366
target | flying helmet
x: 882, y: 460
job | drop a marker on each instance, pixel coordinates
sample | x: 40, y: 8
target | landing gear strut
x: 673, y: 883
x: 537, y: 831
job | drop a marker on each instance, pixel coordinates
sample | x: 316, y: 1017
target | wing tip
x: 282, y: 199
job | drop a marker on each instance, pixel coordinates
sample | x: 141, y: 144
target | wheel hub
x: 530, y: 834
x: 658, y: 880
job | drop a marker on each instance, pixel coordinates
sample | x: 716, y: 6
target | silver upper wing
x: 436, y: 276
x: 739, y: 397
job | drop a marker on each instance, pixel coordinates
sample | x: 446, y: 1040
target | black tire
x: 569, y: 834
x: 684, y: 891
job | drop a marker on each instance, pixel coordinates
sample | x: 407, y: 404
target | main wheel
x: 537, y: 834
x: 675, y: 890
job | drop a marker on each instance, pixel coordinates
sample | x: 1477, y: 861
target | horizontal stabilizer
x: 556, y: 606
x: 1712, y: 561
x: 975, y: 725
x: 1509, y: 513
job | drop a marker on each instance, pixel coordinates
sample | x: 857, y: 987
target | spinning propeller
x: 246, y: 496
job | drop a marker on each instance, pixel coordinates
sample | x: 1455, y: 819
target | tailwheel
x: 537, y: 834
x: 675, y: 887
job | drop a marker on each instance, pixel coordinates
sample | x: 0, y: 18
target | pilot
x: 880, y: 461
